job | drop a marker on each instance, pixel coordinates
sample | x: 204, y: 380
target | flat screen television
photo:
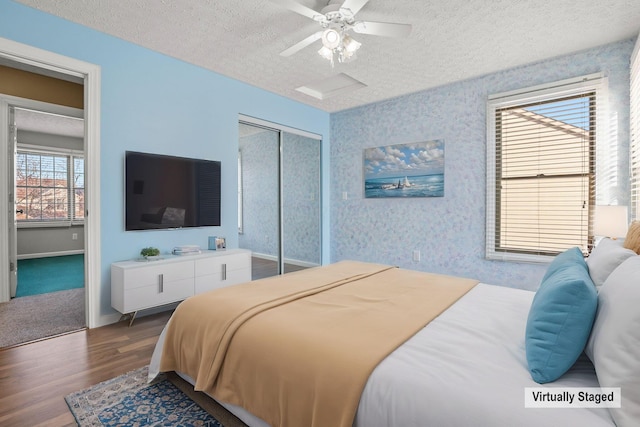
x: 170, y: 192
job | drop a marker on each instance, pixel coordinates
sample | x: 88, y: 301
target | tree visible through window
x: 49, y: 187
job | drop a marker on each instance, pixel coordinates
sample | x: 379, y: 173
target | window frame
x: 542, y: 93
x: 240, y: 195
x: 70, y: 155
x: 634, y: 130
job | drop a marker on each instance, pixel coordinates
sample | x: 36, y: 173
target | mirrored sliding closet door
x: 279, y: 202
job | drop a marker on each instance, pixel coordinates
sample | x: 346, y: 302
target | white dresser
x: 139, y: 285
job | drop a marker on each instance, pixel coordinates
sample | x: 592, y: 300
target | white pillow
x: 605, y: 257
x: 614, y: 343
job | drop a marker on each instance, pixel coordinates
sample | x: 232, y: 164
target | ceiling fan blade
x: 354, y: 5
x: 386, y: 29
x: 302, y: 44
x: 298, y: 8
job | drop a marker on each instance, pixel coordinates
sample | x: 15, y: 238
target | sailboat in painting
x: 399, y: 186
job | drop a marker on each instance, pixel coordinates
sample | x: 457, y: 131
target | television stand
x: 137, y: 286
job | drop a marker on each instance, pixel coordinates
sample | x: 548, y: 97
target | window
x: 240, y: 202
x: 541, y: 169
x: 49, y: 187
x: 634, y: 106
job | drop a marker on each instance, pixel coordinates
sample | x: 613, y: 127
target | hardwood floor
x: 261, y: 268
x: 34, y: 378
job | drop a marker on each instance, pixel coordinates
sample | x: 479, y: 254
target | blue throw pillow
x: 561, y: 317
x: 570, y: 258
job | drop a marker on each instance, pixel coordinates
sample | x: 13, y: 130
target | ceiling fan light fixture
x: 338, y: 19
x: 335, y: 43
x: 331, y: 38
x: 326, y: 53
x: 350, y: 45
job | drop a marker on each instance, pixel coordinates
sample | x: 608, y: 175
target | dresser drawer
x: 210, y: 282
x: 163, y: 292
x: 214, y: 265
x: 150, y: 275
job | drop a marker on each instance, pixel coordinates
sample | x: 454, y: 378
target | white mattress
x: 467, y: 367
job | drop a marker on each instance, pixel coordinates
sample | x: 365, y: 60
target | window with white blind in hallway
x: 49, y: 187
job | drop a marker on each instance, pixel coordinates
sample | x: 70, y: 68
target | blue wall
x: 154, y: 103
x: 450, y: 231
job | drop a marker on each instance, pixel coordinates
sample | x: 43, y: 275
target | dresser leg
x: 130, y: 316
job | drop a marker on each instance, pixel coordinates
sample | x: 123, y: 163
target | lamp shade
x: 610, y: 221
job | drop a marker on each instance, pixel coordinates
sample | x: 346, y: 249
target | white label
x: 572, y: 397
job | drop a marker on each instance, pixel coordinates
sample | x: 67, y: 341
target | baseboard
x: 109, y: 319
x: 291, y: 261
x: 158, y: 309
x: 51, y: 254
x: 264, y: 256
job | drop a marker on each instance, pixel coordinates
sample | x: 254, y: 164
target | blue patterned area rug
x: 128, y: 400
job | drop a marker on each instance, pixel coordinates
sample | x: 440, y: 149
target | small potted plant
x: 150, y: 253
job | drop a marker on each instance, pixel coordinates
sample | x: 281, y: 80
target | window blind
x: 49, y: 186
x: 541, y: 172
x: 634, y: 106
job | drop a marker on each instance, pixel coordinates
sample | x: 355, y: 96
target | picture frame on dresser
x: 217, y: 243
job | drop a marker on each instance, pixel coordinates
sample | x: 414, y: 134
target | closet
x: 279, y: 205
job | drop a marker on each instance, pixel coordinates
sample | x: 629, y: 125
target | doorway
x: 46, y: 227
x: 279, y: 204
x: 14, y: 55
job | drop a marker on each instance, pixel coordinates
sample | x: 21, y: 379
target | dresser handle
x: 224, y: 271
x: 161, y: 283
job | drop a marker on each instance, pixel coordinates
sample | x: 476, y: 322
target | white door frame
x: 11, y: 150
x: 90, y: 73
x: 6, y: 103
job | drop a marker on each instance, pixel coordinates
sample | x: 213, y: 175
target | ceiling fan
x: 337, y: 19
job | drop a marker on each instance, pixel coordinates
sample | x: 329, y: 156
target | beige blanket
x: 297, y: 350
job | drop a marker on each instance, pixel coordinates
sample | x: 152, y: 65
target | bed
x: 466, y: 366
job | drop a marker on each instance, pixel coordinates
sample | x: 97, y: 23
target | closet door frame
x: 282, y: 129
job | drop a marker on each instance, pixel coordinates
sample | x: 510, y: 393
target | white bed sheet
x: 467, y: 367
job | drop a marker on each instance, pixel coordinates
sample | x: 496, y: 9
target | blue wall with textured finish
x: 450, y: 231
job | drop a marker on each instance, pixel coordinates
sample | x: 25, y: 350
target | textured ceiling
x: 451, y: 39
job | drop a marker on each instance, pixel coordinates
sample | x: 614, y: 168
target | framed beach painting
x: 405, y: 170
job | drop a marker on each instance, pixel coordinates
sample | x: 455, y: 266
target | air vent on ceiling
x: 332, y: 86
